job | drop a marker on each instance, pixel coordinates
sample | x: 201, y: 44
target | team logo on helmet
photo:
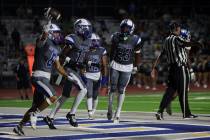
x: 54, y: 32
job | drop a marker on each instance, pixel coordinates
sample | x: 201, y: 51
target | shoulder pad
x: 115, y: 36
x: 137, y: 39
x: 70, y: 39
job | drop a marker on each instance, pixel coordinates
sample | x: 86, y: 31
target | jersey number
x: 51, y: 59
x: 124, y: 54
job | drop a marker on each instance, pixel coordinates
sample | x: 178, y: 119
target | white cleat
x: 116, y: 120
x: 33, y: 119
x: 90, y: 115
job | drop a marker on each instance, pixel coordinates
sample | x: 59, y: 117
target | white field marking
x: 205, y: 134
x: 93, y: 130
x: 82, y: 110
x: 132, y: 120
x: 137, y: 136
x: 202, y: 98
x: 12, y: 135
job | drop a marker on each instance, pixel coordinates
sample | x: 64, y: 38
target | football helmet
x: 83, y: 27
x: 127, y: 26
x: 185, y: 34
x: 54, y: 32
x: 95, y: 40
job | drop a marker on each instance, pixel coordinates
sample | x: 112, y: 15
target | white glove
x: 134, y: 71
x: 192, y: 75
x: 46, y: 27
x: 89, y: 63
x: 66, y: 61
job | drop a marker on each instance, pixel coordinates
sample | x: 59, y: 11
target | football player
x: 46, y: 56
x: 96, y: 63
x: 76, y: 45
x: 125, y: 58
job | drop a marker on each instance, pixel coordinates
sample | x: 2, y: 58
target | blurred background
x: 21, y: 23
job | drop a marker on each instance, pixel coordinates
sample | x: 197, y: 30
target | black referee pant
x: 178, y: 81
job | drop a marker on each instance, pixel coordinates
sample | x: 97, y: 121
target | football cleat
x: 116, y: 120
x: 72, y: 119
x: 49, y: 122
x: 191, y: 116
x: 159, y: 116
x: 18, y: 130
x: 90, y: 115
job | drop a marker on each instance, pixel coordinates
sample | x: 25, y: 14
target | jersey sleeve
x: 179, y: 41
x: 103, y: 51
x: 70, y: 41
x: 114, y: 38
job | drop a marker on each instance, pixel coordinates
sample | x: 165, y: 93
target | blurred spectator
x: 22, y: 77
x: 37, y: 28
x: 29, y: 12
x: 3, y: 34
x: 103, y: 26
x: 3, y: 29
x: 20, y: 12
x: 132, y: 9
x: 15, y: 35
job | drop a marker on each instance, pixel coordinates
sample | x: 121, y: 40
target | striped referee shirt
x: 175, y: 51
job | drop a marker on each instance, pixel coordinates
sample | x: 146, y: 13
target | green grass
x: 199, y: 103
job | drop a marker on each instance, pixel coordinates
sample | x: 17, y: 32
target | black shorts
x: 23, y: 84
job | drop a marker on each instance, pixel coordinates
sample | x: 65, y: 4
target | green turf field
x: 199, y: 103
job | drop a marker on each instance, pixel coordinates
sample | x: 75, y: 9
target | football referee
x: 178, y: 79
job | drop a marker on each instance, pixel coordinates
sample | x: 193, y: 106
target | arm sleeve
x: 139, y: 45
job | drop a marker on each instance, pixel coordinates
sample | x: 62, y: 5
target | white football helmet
x: 83, y: 28
x: 127, y: 26
x: 95, y: 40
x: 51, y: 29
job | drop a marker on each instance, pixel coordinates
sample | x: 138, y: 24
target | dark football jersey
x: 45, y: 54
x: 125, y: 47
x: 78, y: 50
x: 95, y: 58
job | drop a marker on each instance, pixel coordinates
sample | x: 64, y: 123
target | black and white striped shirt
x: 175, y: 51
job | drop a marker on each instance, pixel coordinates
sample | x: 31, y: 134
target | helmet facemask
x: 127, y: 27
x: 54, y: 33
x: 83, y: 28
x: 95, y: 41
